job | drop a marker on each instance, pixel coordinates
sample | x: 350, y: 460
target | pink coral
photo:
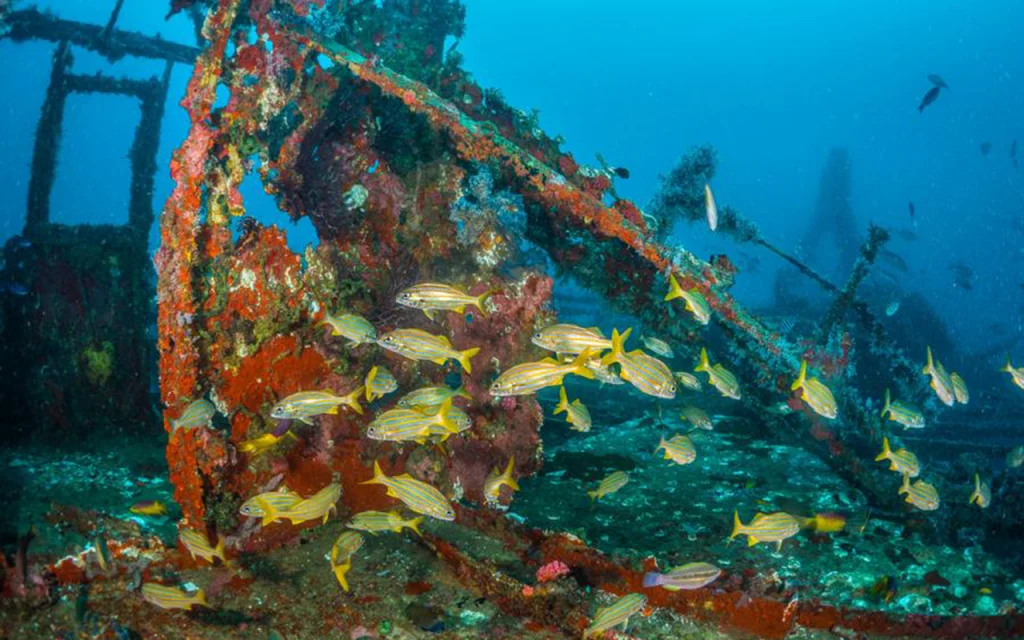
x: 552, y: 571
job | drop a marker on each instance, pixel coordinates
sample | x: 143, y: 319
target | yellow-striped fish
x: 576, y: 413
x: 402, y: 425
x: 615, y: 614
x: 571, y: 339
x: 695, y: 301
x: 905, y: 415
x: 149, y: 508
x: 694, y: 575
x: 316, y: 507
x: 1016, y: 373
x: 356, y: 329
x: 417, y: 344
x: 373, y: 522
x: 305, y: 404
x: 615, y: 481
x: 429, y: 398
x: 379, y: 383
x: 172, y: 597
x: 341, y: 555
x: 719, y: 377
x: 530, y: 377
x: 198, y: 413
x: 688, y: 380
x: 281, y: 500
x: 646, y: 373
x: 814, y: 392
x: 497, y: 479
x: 603, y: 373
x: 431, y: 296
x: 658, y: 346
x: 200, y: 547
x: 459, y: 422
x: 920, y: 494
x: 982, y: 495
x: 903, y: 461
x: 766, y: 527
x: 679, y: 449
x: 416, y: 494
x: 960, y: 393
x: 261, y: 444
x: 940, y: 382
x: 698, y: 418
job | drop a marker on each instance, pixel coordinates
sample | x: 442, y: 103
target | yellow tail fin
x: 480, y: 299
x: 976, y: 494
x: 888, y: 405
x: 618, y: 346
x: 340, y: 570
x: 351, y: 400
x: 886, y: 451
x: 930, y: 365
x: 269, y: 513
x: 378, y: 475
x: 507, y: 478
x: 905, y: 487
x: 563, y: 401
x: 466, y: 356
x: 579, y: 365
x: 369, y: 382
x: 704, y: 364
x: 218, y: 551
x: 414, y: 524
x: 200, y: 597
x: 674, y: 290
x: 1008, y: 367
x: 799, y: 382
x: 462, y: 393
x: 737, y: 525
x: 443, y: 417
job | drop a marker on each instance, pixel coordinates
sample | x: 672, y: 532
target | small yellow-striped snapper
x: 960, y: 393
x: 719, y: 377
x: 373, y: 522
x: 688, y: 380
x: 316, y: 507
x: 417, y: 344
x: 920, y: 494
x: 615, y: 614
x: 571, y: 339
x: 430, y: 297
x: 172, y: 597
x: 1016, y: 373
x: 710, y: 208
x: 379, y: 382
x: 356, y: 329
x: 305, y: 404
x: 982, y: 494
x: 615, y: 481
x: 698, y: 418
x: 341, y: 555
x: 197, y: 414
x: 694, y: 575
x: 401, y: 425
x: 497, y: 479
x: 941, y: 383
x: 416, y: 494
x: 770, y: 527
x: 906, y: 415
x: 679, y: 449
x: 200, y: 547
x: 814, y: 392
x: 658, y: 346
x: 576, y: 413
x: 695, y: 301
x: 263, y: 443
x: 603, y: 373
x: 646, y: 373
x: 427, y: 398
x: 903, y: 461
x: 1015, y: 458
x: 281, y: 500
x: 530, y: 377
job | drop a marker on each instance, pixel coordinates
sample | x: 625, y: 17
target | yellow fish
x: 615, y: 614
x: 903, y: 461
x: 281, y: 500
x: 814, y: 392
x: 576, y: 413
x: 960, y: 393
x: 430, y: 397
x: 920, y: 494
x: 719, y: 377
x: 658, y: 346
x: 317, y: 507
x: 615, y: 481
x: 197, y: 545
x: 341, y: 555
x: 263, y: 443
x: 458, y: 422
x: 698, y: 418
x: 356, y: 329
x: 379, y: 382
x: 571, y: 339
x: 530, y: 377
x: 982, y: 495
x: 198, y: 413
x: 771, y: 527
x: 1016, y: 373
x: 373, y: 522
x: 688, y: 380
x: 695, y: 301
x: 678, y: 449
x: 941, y: 383
x: 417, y: 344
x: 646, y: 373
x: 826, y: 523
x: 305, y: 404
x: 906, y: 415
x: 149, y: 508
x: 172, y: 597
x: 430, y: 297
x: 416, y: 494
x: 498, y: 479
x: 603, y: 373
x: 401, y: 425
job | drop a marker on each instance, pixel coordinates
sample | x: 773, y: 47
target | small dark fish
x: 963, y: 276
x: 894, y: 259
x: 985, y: 148
x: 928, y: 98
x: 937, y: 80
x: 912, y: 209
x: 622, y: 172
x: 14, y: 288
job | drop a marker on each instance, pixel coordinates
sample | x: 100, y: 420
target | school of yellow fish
x: 428, y: 415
